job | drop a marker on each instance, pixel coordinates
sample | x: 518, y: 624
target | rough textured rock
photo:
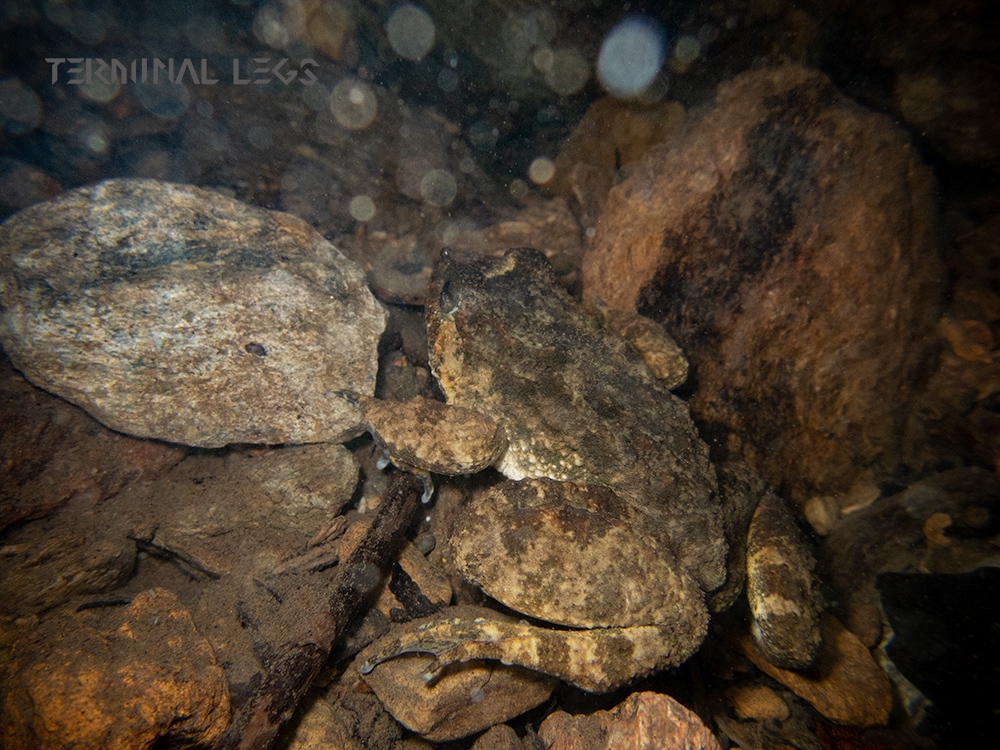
x: 847, y: 686
x: 171, y: 312
x: 223, y: 532
x: 48, y: 562
x: 499, y: 737
x: 52, y: 453
x: 141, y: 677
x: 644, y: 721
x: 944, y: 523
x: 612, y: 136
x: 786, y: 239
x: 22, y: 184
x: 322, y: 727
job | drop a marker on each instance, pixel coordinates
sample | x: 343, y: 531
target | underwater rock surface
x: 786, y: 238
x: 171, y: 312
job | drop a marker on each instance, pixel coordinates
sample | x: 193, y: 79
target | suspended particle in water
x: 447, y: 80
x: 569, y: 72
x: 687, y: 49
x: 438, y: 187
x: 353, y: 104
x: 361, y: 208
x: 518, y: 188
x: 541, y: 170
x: 411, y: 32
x: 631, y: 55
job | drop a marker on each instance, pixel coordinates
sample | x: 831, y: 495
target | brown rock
x: 141, y: 677
x: 971, y: 340
x: 175, y: 313
x: 22, y: 184
x: 52, y: 452
x: 322, y: 727
x: 757, y: 702
x: 785, y: 238
x: 401, y: 271
x: 612, y: 136
x: 846, y: 686
x: 499, y: 737
x: 644, y: 721
x: 40, y: 571
x: 934, y: 525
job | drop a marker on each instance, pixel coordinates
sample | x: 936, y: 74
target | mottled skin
x: 611, y: 520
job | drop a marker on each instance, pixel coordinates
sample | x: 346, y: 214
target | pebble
x: 757, y: 702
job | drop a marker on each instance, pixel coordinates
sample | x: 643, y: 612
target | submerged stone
x: 171, y: 312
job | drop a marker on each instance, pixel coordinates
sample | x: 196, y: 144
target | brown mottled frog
x: 611, y: 523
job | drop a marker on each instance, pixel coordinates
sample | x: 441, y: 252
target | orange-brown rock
x: 141, y: 677
x: 52, y: 452
x: 847, y: 686
x: 643, y: 721
x: 612, y: 136
x: 786, y: 239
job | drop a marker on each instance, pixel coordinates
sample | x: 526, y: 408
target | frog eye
x: 448, y: 300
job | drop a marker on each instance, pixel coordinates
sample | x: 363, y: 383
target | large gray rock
x: 175, y: 313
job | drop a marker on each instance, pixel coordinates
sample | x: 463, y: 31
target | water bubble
x: 353, y: 104
x: 94, y: 140
x: 20, y: 106
x: 541, y: 170
x: 205, y: 33
x: 166, y: 100
x: 316, y: 97
x: 411, y: 32
x: 58, y: 11
x: 361, y: 208
x: 260, y: 137
x: 569, y: 72
x: 631, y: 56
x: 482, y: 135
x: 687, y: 50
x: 447, y: 80
x: 543, y: 59
x: 708, y: 34
x: 309, y: 191
x: 89, y: 27
x: 98, y: 91
x: 269, y: 27
x: 519, y: 188
x: 438, y: 187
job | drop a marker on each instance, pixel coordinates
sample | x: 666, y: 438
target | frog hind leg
x: 596, y: 660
